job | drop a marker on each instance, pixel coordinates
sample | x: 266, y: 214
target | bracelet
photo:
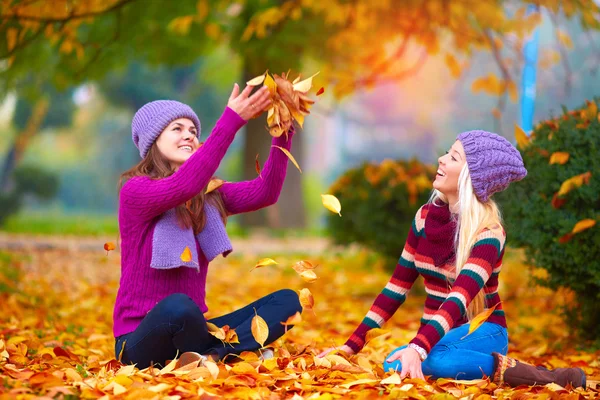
x: 420, y: 350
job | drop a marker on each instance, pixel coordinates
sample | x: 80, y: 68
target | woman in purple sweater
x: 163, y: 208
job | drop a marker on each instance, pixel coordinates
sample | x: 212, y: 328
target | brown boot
x: 514, y: 373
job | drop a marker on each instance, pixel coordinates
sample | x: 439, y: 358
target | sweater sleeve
x: 147, y: 198
x: 264, y: 190
x: 395, y: 291
x: 485, y: 255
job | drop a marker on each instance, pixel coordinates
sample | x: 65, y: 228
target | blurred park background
x: 401, y: 79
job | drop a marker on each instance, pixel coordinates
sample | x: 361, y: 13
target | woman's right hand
x: 344, y: 348
x: 246, y: 105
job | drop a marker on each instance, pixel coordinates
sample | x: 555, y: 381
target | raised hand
x: 246, y: 105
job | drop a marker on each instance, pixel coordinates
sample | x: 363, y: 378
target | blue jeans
x: 456, y: 358
x: 176, y: 325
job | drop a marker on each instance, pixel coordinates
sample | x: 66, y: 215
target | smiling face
x: 178, y: 141
x: 450, y: 166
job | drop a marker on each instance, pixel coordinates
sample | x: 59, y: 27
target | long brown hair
x: 190, y: 214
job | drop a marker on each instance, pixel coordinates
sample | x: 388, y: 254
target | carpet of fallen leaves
x: 56, y: 333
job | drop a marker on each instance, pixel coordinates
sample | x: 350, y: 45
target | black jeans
x: 176, y: 325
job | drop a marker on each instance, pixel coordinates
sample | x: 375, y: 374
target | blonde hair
x: 473, y: 217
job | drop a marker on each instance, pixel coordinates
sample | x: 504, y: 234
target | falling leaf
x: 332, y: 203
x: 393, y: 379
x: 214, y: 184
x: 321, y: 91
x: 309, y: 276
x: 257, y: 166
x: 302, y: 266
x: 583, y: 225
x: 264, y: 262
x: 215, y: 331
x: 521, y: 137
x: 479, y: 319
x: 186, y: 256
x: 307, y: 300
x: 257, y: 81
x: 293, y: 320
x: 289, y: 155
x: 574, y: 183
x: 260, y: 329
x: 108, y: 246
x: 559, y: 157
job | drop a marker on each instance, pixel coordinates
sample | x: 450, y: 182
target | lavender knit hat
x: 493, y: 162
x: 150, y: 120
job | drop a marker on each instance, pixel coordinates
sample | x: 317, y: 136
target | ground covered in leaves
x: 56, y: 333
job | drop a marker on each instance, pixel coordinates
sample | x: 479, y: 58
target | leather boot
x: 514, y: 373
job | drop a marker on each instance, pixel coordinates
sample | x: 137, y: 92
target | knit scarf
x: 439, y: 235
x: 169, y: 240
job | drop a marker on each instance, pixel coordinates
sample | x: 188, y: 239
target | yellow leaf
x: 186, y: 256
x: 305, y: 85
x: 289, y: 155
x: 307, y: 300
x: 302, y: 266
x: 201, y: 10
x: 332, y: 203
x: 215, y: 331
x: 374, y: 333
x: 479, y: 319
x: 257, y: 81
x: 574, y: 183
x: 559, y: 157
x: 260, y: 329
x: 181, y: 25
x: 264, y: 262
x: 565, y: 39
x: 393, y: 379
x: 270, y: 83
x: 453, y: 65
x: 359, y: 382
x: 309, y: 276
x: 293, y: 320
x: 521, y: 137
x: 214, y: 184
x: 583, y: 225
x: 169, y: 367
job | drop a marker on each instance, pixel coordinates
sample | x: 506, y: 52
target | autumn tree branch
x: 72, y: 16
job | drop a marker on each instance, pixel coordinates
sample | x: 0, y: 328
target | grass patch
x: 62, y: 224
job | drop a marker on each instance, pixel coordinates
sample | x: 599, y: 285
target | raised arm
x: 394, y: 293
x: 246, y: 196
x: 484, y: 261
x: 148, y: 198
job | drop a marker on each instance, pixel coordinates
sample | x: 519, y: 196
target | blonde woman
x: 456, y: 243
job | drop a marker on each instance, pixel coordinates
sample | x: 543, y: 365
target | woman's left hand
x: 411, y: 363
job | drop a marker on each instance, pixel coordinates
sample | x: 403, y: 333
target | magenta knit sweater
x: 143, y: 200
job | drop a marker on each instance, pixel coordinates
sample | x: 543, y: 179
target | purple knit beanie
x: 150, y: 120
x: 493, y: 162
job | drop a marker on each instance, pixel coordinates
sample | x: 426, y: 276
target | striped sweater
x: 429, y: 251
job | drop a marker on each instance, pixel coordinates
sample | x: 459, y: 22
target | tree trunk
x: 18, y: 147
x: 289, y: 212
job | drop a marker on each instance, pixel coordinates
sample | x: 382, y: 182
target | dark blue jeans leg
x: 274, y: 309
x: 175, y: 325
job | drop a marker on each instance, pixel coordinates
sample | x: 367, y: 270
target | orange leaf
x: 558, y: 202
x: 108, y: 246
x: 257, y: 166
x: 264, y: 262
x: 583, y: 225
x: 259, y: 329
x: 307, y: 300
x: 565, y: 238
x: 214, y: 184
x: 186, y: 256
x: 321, y: 91
x: 302, y: 266
x: 479, y: 319
x: 559, y: 157
x: 309, y: 276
